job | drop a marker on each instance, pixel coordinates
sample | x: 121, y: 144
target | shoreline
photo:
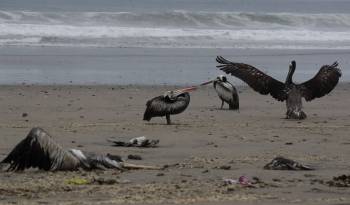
x: 154, y: 66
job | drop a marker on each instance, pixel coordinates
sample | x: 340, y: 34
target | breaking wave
x: 175, y: 29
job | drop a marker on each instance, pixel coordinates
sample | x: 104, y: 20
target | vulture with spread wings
x: 321, y: 84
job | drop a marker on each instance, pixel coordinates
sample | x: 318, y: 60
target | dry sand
x: 202, y: 142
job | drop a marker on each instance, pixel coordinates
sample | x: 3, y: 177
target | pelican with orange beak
x: 170, y: 103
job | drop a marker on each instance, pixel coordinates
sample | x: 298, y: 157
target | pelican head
x: 292, y: 64
x: 221, y: 78
x: 292, y: 67
x: 173, y: 94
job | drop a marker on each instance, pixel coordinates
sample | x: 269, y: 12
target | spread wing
x: 322, y: 83
x: 38, y: 150
x: 255, y: 78
x: 28, y: 153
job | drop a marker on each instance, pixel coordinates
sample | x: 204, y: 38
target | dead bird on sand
x: 170, y: 103
x: 226, y: 92
x: 135, y: 142
x: 281, y: 163
x: 39, y: 150
x: 321, y: 84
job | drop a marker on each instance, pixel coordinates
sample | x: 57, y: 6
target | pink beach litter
x: 242, y: 180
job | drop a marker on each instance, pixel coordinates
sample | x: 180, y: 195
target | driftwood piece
x: 138, y: 166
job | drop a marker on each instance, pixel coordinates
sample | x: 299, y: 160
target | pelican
x: 226, y: 92
x: 39, y: 150
x: 318, y: 86
x: 170, y: 103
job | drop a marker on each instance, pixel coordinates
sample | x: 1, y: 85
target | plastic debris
x: 77, y: 181
x: 242, y: 180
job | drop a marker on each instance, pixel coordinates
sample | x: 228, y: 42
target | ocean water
x: 270, y: 24
x: 80, y: 30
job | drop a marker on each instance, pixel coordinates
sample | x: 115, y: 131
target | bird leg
x: 168, y: 121
x: 295, y: 105
x: 295, y: 114
x: 222, y: 104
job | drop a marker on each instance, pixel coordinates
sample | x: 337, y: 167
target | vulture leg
x: 168, y: 121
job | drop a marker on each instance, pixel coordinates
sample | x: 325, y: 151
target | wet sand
x: 153, y: 66
x: 202, y: 147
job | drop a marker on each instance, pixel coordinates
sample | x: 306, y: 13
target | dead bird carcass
x: 281, y: 163
x: 321, y: 84
x: 226, y: 92
x: 170, y: 103
x: 39, y: 150
x: 135, y: 142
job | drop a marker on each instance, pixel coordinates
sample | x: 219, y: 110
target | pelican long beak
x: 210, y: 81
x: 206, y: 83
x: 189, y: 89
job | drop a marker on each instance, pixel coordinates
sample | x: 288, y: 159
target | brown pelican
x: 226, y: 92
x: 170, y: 103
x: 321, y: 84
x: 39, y: 150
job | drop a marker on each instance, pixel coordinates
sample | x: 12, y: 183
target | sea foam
x: 176, y: 29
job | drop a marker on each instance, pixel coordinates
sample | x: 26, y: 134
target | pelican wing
x: 225, y: 90
x: 155, y: 107
x: 255, y: 78
x: 38, y: 150
x: 160, y: 106
x: 226, y: 86
x: 322, y: 83
x: 181, y: 103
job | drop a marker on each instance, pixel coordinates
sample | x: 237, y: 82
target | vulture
x: 318, y: 86
x: 170, y: 103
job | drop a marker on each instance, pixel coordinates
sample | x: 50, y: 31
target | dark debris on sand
x: 134, y: 157
x: 340, y: 181
x: 281, y: 163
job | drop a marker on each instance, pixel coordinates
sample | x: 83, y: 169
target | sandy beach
x: 204, y: 146
x: 83, y: 70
